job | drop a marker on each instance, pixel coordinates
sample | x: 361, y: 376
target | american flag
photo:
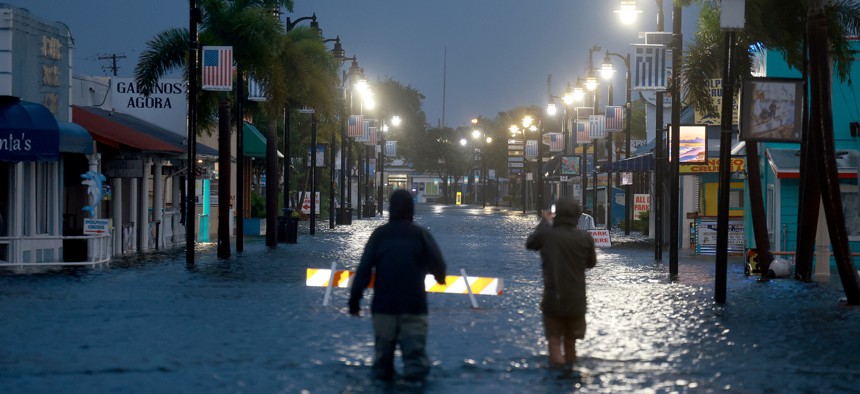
x: 582, y: 134
x: 555, y: 141
x: 371, y: 133
x: 649, y: 67
x: 596, y: 128
x: 355, y: 126
x: 255, y: 90
x: 365, y: 127
x: 218, y: 68
x: 614, y: 118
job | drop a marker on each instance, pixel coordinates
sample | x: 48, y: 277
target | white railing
x: 49, y: 250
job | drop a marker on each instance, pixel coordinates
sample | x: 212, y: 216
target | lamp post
x: 380, y: 192
x: 628, y: 13
x: 591, y: 85
x: 628, y: 196
x: 607, y: 69
x: 527, y: 125
x: 480, y: 135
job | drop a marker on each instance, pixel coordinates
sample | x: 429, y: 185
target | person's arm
x: 435, y: 262
x: 592, y: 254
x: 534, y: 241
x: 362, y: 277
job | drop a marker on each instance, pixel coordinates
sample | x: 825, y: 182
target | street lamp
x: 591, y: 85
x: 607, y: 65
x: 515, y: 130
x: 485, y: 139
x: 627, y: 11
x: 380, y: 192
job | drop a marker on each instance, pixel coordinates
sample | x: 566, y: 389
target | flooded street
x: 249, y: 324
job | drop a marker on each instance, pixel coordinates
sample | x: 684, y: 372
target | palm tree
x: 248, y: 26
x: 790, y: 27
x: 303, y: 75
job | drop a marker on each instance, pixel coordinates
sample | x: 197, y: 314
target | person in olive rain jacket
x: 400, y: 254
x: 566, y: 252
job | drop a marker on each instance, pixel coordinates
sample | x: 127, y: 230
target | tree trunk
x: 821, y: 124
x: 224, y: 145
x: 759, y: 221
x: 272, y: 176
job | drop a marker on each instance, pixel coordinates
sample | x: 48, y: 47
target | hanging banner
x: 531, y: 149
x: 649, y: 67
x: 355, y: 126
x: 255, y: 90
x: 217, y: 68
x: 390, y: 148
x: 614, y: 118
x: 555, y: 141
x: 582, y: 132
x: 596, y: 126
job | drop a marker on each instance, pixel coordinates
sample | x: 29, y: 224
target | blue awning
x: 28, y: 131
x: 643, y: 163
x: 74, y: 138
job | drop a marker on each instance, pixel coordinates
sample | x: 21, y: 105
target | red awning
x: 117, y: 132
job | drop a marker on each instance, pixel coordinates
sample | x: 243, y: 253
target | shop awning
x: 122, y: 130
x: 28, y: 131
x: 74, y: 138
x: 785, y: 163
x: 253, y: 142
x: 642, y: 163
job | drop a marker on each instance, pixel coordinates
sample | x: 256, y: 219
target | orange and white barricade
x: 454, y: 284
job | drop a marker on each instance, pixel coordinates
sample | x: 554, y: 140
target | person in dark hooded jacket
x: 566, y: 252
x: 400, y: 254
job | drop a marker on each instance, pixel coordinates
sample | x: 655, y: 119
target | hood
x: 400, y: 205
x: 567, y: 210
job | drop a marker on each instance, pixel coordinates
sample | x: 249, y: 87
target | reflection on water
x: 248, y: 323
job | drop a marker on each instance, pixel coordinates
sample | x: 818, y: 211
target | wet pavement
x: 249, y: 325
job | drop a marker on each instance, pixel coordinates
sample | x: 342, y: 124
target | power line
x: 112, y: 57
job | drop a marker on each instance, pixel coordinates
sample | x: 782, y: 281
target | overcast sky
x: 499, y: 52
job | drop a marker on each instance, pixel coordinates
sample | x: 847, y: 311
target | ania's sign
x: 29, y: 145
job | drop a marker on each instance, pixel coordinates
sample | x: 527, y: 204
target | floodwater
x: 249, y: 325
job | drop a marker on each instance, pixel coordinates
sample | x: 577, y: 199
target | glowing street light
x: 627, y: 11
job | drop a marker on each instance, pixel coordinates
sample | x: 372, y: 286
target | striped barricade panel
x: 454, y: 284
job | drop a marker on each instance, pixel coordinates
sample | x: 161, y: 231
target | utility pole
x: 112, y: 57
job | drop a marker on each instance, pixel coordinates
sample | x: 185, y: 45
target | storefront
x: 42, y: 162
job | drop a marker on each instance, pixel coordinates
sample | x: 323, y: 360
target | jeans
x: 408, y: 331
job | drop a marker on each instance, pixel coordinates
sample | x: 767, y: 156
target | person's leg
x: 555, y: 357
x: 574, y: 328
x: 413, y: 341
x: 554, y: 328
x: 385, y: 329
x: 569, y: 350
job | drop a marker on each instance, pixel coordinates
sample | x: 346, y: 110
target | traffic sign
x: 515, y: 159
x: 515, y: 165
x: 515, y: 142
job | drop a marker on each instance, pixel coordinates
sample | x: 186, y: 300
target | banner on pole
x: 217, y: 68
x: 649, y: 67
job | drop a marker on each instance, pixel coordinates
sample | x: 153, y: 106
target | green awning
x: 254, y: 143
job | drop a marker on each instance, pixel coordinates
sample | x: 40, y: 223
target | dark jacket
x: 401, y: 254
x: 566, y: 252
